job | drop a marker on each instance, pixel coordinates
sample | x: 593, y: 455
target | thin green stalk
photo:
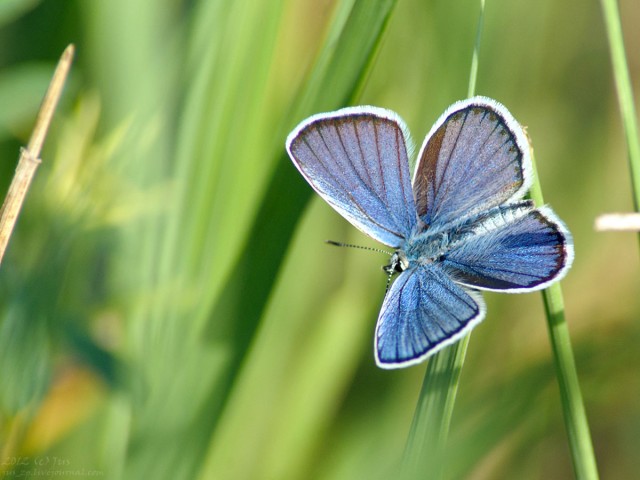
x: 431, y: 422
x: 625, y: 92
x: 430, y: 427
x: 432, y: 418
x: 575, y: 417
x: 476, y: 52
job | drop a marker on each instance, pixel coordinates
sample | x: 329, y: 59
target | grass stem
x: 29, y: 157
x: 611, y: 15
x: 575, y: 417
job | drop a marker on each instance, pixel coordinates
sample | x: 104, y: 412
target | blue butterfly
x: 461, y: 226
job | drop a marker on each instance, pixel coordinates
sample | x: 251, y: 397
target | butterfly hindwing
x: 423, y: 312
x: 356, y: 159
x: 476, y: 157
x: 512, y: 248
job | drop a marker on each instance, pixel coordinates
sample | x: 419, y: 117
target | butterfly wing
x: 512, y: 248
x: 475, y: 157
x: 423, y: 312
x: 356, y: 159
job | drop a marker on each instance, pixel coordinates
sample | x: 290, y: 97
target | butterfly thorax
x: 420, y: 249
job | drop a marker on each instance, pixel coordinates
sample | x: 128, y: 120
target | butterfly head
x: 398, y: 263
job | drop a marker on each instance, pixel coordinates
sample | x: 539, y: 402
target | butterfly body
x: 460, y: 226
x: 425, y: 248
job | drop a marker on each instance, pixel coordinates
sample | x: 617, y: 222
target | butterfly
x: 461, y: 226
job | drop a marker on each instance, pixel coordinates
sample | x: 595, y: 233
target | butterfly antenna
x: 361, y: 247
x: 391, y: 271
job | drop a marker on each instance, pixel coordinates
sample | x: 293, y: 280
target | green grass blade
x: 338, y: 74
x: 339, y: 71
x: 430, y: 427
x: 575, y: 416
x: 625, y: 92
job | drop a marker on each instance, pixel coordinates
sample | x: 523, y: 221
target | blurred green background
x: 168, y: 306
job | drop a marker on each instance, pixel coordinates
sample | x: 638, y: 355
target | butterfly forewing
x: 423, y: 312
x: 356, y: 159
x: 475, y: 157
